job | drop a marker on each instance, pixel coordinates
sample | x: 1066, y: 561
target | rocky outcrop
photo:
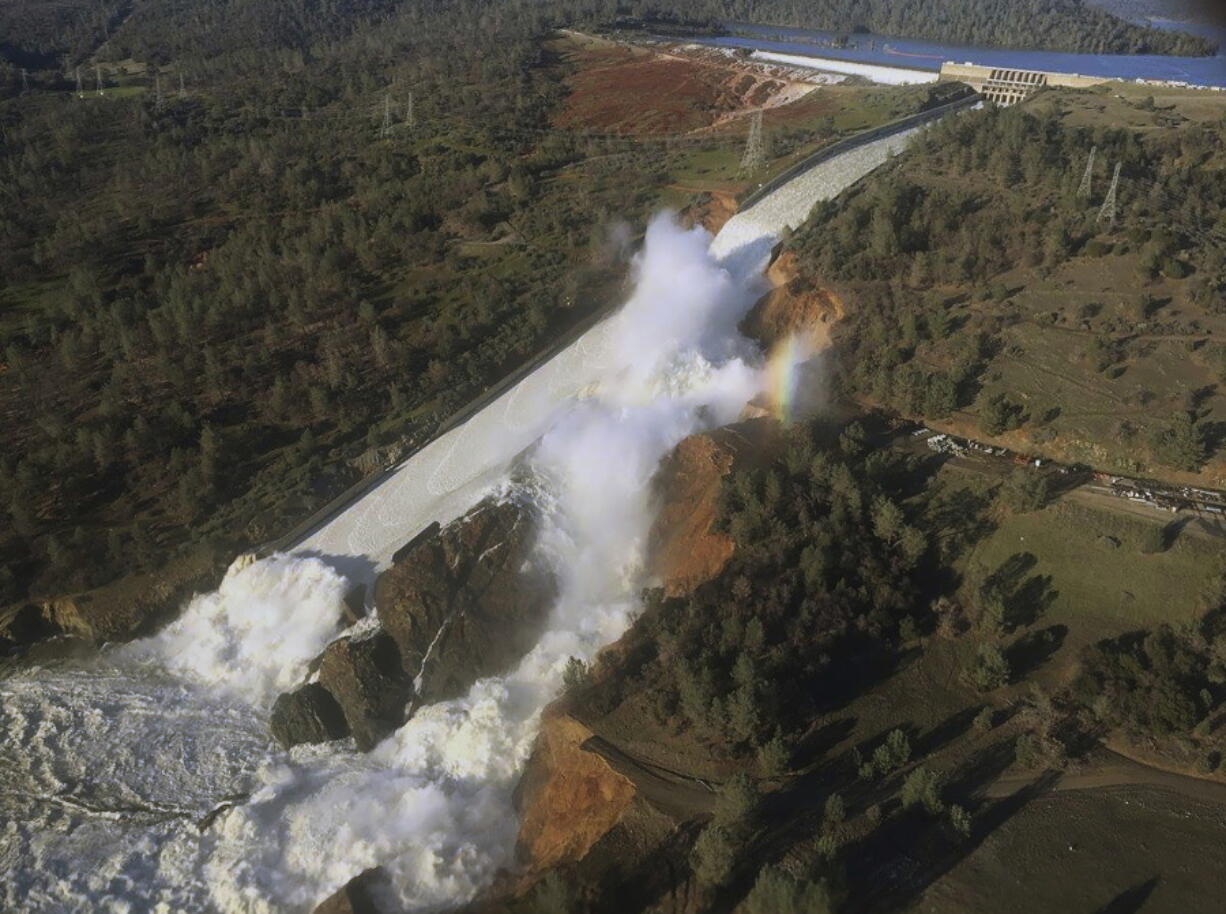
x: 568, y: 798
x: 711, y: 210
x: 468, y: 602
x: 685, y: 548
x: 459, y: 603
x: 357, y: 896
x: 128, y: 608
x: 368, y: 681
x: 795, y: 306
x: 309, y: 714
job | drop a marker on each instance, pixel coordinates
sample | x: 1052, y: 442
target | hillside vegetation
x: 986, y: 294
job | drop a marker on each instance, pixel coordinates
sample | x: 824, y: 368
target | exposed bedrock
x: 686, y: 547
x: 131, y: 607
x: 468, y: 602
x: 795, y: 306
x: 360, y: 895
x: 459, y: 603
x: 368, y: 681
x: 309, y: 714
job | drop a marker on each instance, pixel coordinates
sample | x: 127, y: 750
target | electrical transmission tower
x: 755, y: 150
x: 1107, y: 213
x: 385, y: 129
x: 1088, y: 177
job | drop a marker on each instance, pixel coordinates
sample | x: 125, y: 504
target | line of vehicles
x: 1167, y: 496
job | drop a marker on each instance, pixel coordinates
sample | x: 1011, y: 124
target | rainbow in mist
x: 783, y: 375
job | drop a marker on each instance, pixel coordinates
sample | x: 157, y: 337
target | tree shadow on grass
x: 1130, y: 900
x: 897, y: 863
x: 1033, y: 649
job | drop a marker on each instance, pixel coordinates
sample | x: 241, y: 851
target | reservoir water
x: 914, y: 54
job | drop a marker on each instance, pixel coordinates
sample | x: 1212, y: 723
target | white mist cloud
x: 254, y: 636
x: 432, y: 804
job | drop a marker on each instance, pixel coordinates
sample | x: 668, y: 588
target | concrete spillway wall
x: 878, y: 73
x: 451, y: 473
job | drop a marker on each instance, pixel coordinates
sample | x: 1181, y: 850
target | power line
x: 755, y: 150
x: 385, y: 129
x: 1087, y: 178
x: 1107, y: 212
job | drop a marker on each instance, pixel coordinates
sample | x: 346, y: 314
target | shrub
x: 959, y: 820
x: 924, y: 787
x: 713, y: 856
x: 778, y: 892
x: 990, y: 670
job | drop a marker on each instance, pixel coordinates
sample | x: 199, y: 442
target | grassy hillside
x: 906, y: 692
x: 985, y: 295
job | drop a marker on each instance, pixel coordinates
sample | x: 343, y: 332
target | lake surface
x: 926, y: 55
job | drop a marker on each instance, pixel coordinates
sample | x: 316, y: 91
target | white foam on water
x: 254, y: 636
x: 432, y: 804
x: 104, y: 769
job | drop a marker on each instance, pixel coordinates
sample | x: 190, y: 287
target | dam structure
x: 448, y: 476
x: 128, y: 754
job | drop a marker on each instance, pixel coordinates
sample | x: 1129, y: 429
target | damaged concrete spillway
x: 106, y: 767
x: 445, y: 478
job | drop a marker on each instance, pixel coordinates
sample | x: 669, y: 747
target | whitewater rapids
x: 106, y: 766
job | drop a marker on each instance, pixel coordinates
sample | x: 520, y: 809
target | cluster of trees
x: 981, y: 194
x: 927, y: 242
x: 35, y: 34
x: 820, y: 591
x: 217, y: 299
x: 1157, y: 683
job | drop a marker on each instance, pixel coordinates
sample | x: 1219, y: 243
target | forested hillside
x: 224, y: 281
x: 985, y: 291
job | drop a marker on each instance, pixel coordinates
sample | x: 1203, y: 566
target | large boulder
x: 368, y: 681
x: 309, y: 714
x: 357, y: 896
x: 468, y: 601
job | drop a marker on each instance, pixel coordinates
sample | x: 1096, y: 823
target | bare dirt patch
x: 616, y: 88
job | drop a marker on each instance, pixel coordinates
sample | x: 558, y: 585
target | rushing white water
x: 104, y: 769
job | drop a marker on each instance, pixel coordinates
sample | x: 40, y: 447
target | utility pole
x: 755, y: 151
x: 80, y: 93
x: 1086, y: 179
x: 385, y: 129
x: 1108, y: 210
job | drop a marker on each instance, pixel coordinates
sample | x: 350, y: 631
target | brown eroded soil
x: 617, y: 88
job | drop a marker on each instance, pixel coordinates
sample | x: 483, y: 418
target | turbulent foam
x: 255, y: 635
x: 433, y: 803
x: 104, y: 769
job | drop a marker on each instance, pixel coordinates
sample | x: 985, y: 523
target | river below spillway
x: 108, y: 765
